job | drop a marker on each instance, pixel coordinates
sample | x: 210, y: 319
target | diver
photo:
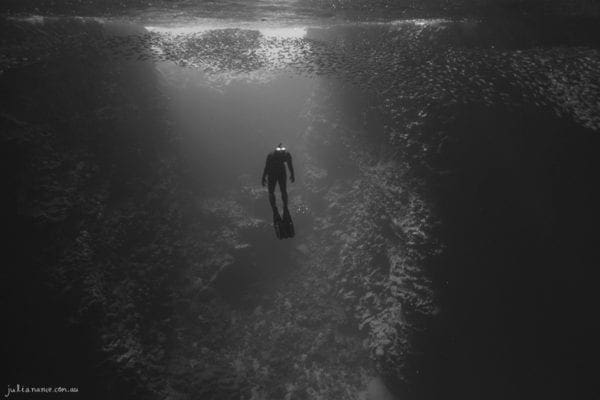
x: 275, y: 172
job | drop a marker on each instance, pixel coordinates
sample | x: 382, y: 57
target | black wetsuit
x: 275, y: 172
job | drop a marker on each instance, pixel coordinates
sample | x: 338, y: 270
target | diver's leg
x: 283, y: 188
x: 271, y: 186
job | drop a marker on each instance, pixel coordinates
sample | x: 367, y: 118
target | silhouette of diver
x: 275, y: 173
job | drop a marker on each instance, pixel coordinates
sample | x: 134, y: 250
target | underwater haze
x: 445, y: 201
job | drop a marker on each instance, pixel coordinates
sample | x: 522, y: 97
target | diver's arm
x: 291, y: 167
x: 265, y: 171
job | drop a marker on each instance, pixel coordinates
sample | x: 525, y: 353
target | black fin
x: 278, y: 225
x: 287, y: 224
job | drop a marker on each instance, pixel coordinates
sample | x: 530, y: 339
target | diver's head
x: 280, y: 147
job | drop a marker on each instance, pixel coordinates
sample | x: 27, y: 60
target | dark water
x: 445, y: 169
x: 520, y: 219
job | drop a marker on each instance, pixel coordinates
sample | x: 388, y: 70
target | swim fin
x: 284, y: 227
x: 277, y: 224
x: 288, y: 224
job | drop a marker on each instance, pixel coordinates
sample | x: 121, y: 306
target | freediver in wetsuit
x: 275, y: 172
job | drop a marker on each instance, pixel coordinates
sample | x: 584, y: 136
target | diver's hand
x: 292, y: 179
